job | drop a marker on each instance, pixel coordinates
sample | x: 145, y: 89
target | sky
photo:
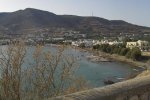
x: 133, y: 11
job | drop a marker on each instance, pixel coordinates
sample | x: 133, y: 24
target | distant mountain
x: 33, y: 20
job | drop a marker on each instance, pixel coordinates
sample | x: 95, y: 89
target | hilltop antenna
x: 92, y: 13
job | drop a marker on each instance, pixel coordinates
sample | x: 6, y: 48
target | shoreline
x: 115, y: 57
x: 135, y: 64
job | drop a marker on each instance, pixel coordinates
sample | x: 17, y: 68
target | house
x: 142, y: 45
x: 106, y: 42
x: 68, y: 34
x: 96, y: 42
x: 115, y: 43
x: 58, y: 39
x: 75, y: 43
x: 87, y: 42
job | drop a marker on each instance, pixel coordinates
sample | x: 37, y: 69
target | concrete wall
x: 134, y: 89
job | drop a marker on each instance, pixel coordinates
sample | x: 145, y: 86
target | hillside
x: 33, y: 20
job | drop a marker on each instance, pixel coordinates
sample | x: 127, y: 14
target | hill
x: 33, y: 20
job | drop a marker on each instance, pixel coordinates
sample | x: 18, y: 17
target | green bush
x: 124, y: 51
x: 136, y: 54
x: 96, y: 46
x: 128, y: 55
x: 82, y: 45
x: 115, y: 50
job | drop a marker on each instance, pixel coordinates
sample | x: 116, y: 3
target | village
x: 75, y: 38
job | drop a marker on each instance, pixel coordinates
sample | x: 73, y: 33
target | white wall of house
x: 142, y: 45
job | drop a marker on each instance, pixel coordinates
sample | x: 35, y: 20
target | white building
x: 115, y: 43
x: 142, y: 45
x: 74, y: 43
x: 96, y: 42
x: 87, y: 42
x: 58, y: 39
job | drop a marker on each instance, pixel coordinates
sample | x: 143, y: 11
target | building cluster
x: 142, y: 45
x: 74, y: 34
x: 60, y: 36
x: 90, y: 42
x: 76, y: 38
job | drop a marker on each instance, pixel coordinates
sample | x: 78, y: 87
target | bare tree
x: 49, y: 73
x: 11, y: 70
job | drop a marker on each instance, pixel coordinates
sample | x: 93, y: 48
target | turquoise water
x: 95, y: 73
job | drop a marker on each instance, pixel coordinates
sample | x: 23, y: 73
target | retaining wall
x: 134, y: 89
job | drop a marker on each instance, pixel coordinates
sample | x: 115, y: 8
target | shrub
x: 124, y: 51
x: 136, y: 54
x: 128, y: 55
x: 82, y: 45
x: 96, y: 46
x: 47, y: 75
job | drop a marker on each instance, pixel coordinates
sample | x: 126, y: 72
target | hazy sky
x: 134, y: 11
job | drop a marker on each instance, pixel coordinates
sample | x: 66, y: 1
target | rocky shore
x: 102, y: 56
x: 115, y: 57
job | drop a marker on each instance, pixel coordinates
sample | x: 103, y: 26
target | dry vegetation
x: 144, y: 73
x: 50, y: 75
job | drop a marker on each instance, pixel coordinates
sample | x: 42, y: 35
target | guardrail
x: 134, y: 89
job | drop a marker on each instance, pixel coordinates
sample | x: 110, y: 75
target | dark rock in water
x: 108, y: 82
